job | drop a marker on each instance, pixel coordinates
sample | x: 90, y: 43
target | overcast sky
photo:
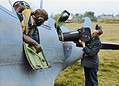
x: 80, y: 6
x: 75, y: 6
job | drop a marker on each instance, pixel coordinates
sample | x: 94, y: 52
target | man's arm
x: 32, y: 42
x: 93, y: 50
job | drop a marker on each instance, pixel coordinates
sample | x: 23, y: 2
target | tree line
x: 79, y: 17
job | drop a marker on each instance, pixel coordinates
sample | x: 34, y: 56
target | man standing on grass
x: 90, y: 60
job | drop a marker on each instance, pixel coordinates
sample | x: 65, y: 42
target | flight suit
x: 28, y: 27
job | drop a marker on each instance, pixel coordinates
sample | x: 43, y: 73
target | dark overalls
x: 90, y: 61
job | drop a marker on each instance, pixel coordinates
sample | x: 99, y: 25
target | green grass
x: 109, y: 62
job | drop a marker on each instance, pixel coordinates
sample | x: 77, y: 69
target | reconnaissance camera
x: 82, y: 34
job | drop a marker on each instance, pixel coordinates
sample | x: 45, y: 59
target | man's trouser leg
x: 91, y: 76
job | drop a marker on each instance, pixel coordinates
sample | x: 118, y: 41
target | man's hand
x: 38, y: 48
x: 82, y: 43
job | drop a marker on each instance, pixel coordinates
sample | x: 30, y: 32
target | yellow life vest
x: 26, y: 16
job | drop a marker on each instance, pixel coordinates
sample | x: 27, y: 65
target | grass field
x: 109, y: 62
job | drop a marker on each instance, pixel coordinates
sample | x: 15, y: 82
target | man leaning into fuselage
x: 30, y: 20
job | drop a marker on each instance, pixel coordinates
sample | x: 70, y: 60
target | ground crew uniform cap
x: 98, y: 30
